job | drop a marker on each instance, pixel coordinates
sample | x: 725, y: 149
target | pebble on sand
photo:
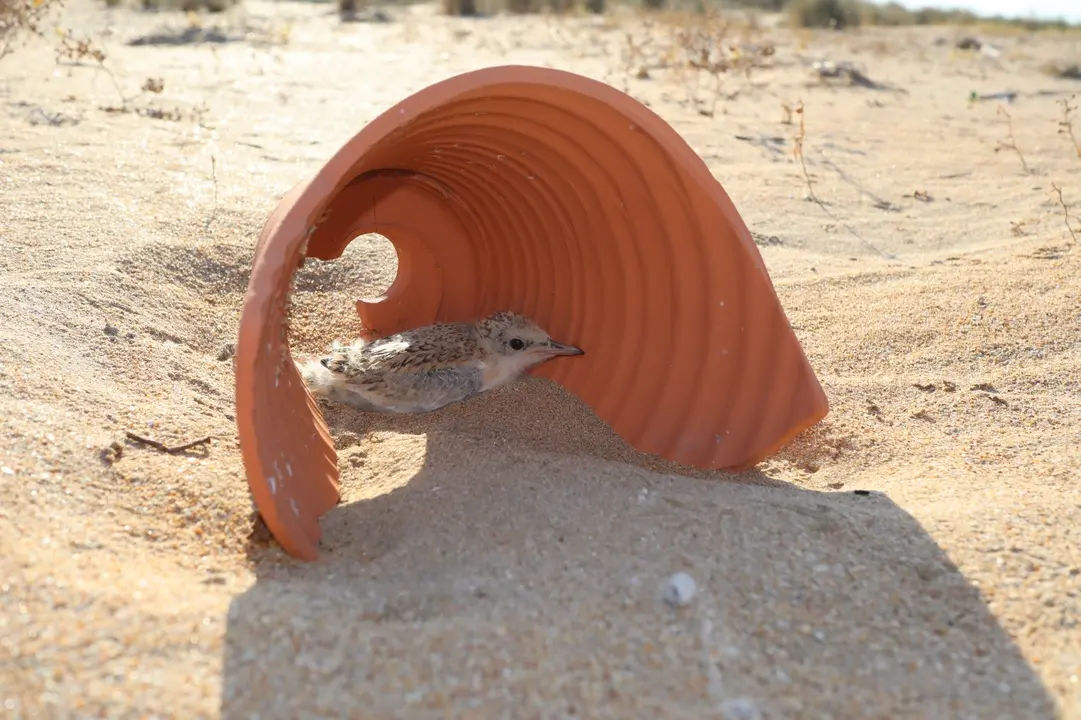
x: 740, y: 709
x: 679, y: 590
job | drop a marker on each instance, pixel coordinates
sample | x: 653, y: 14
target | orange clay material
x: 550, y: 194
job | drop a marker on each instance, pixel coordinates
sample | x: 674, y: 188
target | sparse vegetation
x: 471, y: 8
x: 841, y: 14
x: 22, y: 18
x: 710, y: 51
x: 836, y: 14
x: 18, y: 16
x: 700, y: 52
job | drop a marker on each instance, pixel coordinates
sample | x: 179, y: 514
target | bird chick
x: 429, y: 367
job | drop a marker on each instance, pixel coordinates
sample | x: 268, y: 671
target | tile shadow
x: 519, y: 574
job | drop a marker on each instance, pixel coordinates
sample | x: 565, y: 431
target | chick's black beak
x: 556, y: 348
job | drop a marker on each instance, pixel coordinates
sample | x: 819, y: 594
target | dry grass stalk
x: 1065, y: 212
x: 797, y: 151
x: 1066, y: 124
x: 1010, y: 143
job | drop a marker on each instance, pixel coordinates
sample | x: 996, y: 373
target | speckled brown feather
x: 426, y: 368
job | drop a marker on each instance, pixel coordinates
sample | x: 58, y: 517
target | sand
x: 506, y: 557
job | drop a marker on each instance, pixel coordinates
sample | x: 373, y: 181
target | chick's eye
x: 516, y: 344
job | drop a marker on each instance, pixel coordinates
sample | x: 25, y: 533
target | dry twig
x: 797, y: 150
x: 1065, y: 212
x: 214, y: 177
x: 635, y: 54
x: 174, y: 450
x: 1066, y: 124
x: 1010, y: 143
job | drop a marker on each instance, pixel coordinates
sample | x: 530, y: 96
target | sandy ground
x: 504, y: 558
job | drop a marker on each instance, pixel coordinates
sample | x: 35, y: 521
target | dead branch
x: 1010, y: 143
x: 174, y: 450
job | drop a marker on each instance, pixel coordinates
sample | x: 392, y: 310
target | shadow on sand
x: 519, y: 575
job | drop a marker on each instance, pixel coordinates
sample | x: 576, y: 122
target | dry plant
x: 214, y: 179
x: 26, y: 16
x: 1017, y: 227
x: 19, y: 18
x: 704, y: 46
x: 1066, y: 217
x: 1066, y: 124
x: 555, y: 23
x: 635, y: 54
x: 1010, y: 143
x: 75, y: 50
x: 797, y: 151
x: 700, y: 48
x: 153, y: 85
x: 174, y: 114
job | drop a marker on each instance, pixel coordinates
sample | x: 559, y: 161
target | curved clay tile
x: 554, y: 195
